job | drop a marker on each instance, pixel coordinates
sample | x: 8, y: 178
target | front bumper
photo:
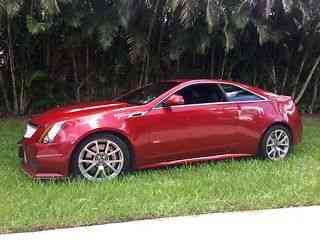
x: 44, y: 160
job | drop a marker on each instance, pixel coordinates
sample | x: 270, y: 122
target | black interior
x: 202, y: 93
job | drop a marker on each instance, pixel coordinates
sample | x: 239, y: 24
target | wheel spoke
x: 272, y: 153
x: 112, y: 168
x: 90, y: 167
x: 275, y: 153
x: 283, y: 145
x: 97, y: 172
x: 279, y: 135
x: 270, y: 143
x: 104, y: 172
x: 90, y: 151
x: 284, y: 141
x: 86, y: 161
x: 280, y: 155
x: 114, y: 152
x: 115, y: 161
x: 281, y: 150
x: 107, y: 147
x: 97, y: 147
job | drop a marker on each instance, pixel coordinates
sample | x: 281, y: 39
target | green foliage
x: 92, y: 49
x: 11, y: 7
x: 35, y: 27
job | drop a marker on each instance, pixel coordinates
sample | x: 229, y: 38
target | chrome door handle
x: 137, y: 114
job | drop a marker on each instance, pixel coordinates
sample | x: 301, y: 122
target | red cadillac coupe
x: 166, y: 123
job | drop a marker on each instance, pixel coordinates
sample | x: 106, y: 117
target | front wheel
x: 101, y: 157
x: 276, y: 143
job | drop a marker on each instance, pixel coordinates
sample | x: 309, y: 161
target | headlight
x: 30, y: 130
x: 52, y: 132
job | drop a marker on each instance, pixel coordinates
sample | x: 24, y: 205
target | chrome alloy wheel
x: 278, y: 144
x: 101, y: 159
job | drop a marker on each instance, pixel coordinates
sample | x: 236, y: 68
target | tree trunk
x: 4, y: 92
x: 314, y: 97
x: 87, y: 70
x: 274, y: 77
x: 230, y: 72
x: 212, y: 62
x: 12, y: 68
x: 285, y: 79
x: 76, y: 76
x: 296, y: 81
x: 178, y: 65
x: 150, y: 30
x: 255, y: 76
x: 142, y: 72
x: 161, y: 35
x: 306, y: 83
x: 224, y: 64
x: 194, y: 59
x: 154, y: 16
x: 48, y: 51
x: 22, y: 91
x: 146, y: 72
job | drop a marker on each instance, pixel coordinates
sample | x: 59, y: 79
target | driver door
x: 204, y: 126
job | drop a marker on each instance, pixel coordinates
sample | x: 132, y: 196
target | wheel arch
x: 116, y: 133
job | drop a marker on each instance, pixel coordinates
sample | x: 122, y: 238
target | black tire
x: 126, y: 164
x: 263, y: 151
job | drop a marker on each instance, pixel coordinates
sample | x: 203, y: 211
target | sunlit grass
x: 26, y: 204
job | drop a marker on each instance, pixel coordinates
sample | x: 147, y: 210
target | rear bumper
x: 44, y: 160
x: 296, y: 127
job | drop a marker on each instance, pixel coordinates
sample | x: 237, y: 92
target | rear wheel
x: 276, y: 143
x: 101, y: 157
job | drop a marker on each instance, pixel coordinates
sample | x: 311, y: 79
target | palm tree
x: 8, y: 11
x: 3, y: 63
x: 310, y: 12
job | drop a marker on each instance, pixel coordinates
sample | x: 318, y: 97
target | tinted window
x: 202, y: 93
x: 146, y: 94
x: 234, y: 93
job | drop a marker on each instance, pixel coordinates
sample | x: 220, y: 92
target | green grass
x: 26, y: 204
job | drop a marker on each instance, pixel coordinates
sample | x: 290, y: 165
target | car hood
x: 75, y: 110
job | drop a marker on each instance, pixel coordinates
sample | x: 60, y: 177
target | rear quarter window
x: 237, y: 94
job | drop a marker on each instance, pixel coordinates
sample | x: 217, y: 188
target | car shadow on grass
x: 163, y: 169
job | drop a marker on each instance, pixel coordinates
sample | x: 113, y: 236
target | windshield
x: 146, y: 94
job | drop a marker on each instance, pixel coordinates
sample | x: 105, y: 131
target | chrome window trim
x: 217, y: 103
x: 264, y: 99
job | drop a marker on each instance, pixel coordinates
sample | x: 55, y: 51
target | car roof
x: 199, y: 81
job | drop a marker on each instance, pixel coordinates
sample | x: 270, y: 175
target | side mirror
x: 174, y: 100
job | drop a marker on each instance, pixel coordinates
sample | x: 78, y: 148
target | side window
x: 234, y: 93
x: 202, y: 93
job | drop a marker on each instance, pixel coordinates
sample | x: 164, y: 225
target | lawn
x: 27, y: 205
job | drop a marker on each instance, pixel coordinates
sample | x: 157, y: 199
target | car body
x: 229, y: 123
